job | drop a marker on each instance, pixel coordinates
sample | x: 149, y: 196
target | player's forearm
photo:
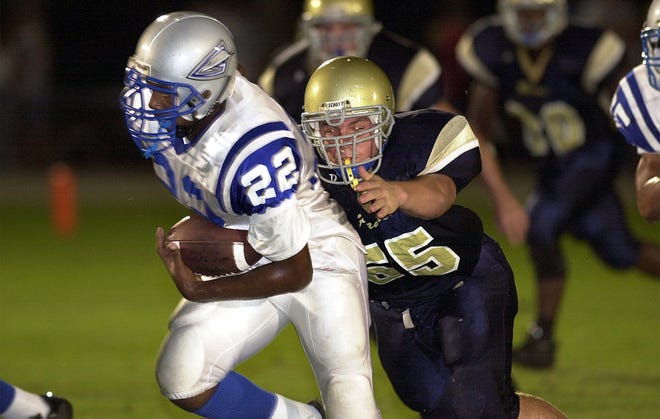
x: 427, y: 197
x: 492, y: 176
x: 275, y: 278
x: 482, y: 117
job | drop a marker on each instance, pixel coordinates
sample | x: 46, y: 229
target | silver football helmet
x: 343, y: 88
x: 651, y: 43
x: 337, y: 27
x: 187, y: 56
x: 532, y: 23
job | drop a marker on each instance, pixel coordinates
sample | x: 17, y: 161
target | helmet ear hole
x: 206, y: 94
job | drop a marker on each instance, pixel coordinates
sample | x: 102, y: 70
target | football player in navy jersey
x: 635, y: 108
x: 553, y: 79
x: 331, y: 28
x: 227, y: 151
x: 442, y: 294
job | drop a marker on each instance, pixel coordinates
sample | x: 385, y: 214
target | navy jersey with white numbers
x: 556, y: 95
x: 409, y: 258
x: 414, y: 72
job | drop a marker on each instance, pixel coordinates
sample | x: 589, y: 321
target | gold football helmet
x: 532, y: 23
x: 343, y: 88
x: 337, y: 27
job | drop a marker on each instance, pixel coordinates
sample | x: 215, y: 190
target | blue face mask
x: 154, y: 130
x: 651, y: 54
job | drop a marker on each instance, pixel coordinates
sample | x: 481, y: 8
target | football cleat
x: 536, y: 352
x: 59, y: 408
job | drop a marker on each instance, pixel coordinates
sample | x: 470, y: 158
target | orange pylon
x: 63, y: 189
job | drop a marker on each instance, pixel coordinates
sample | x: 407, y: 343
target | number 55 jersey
x: 443, y: 298
x: 410, y: 258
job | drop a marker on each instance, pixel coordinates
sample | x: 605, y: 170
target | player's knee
x: 463, y: 339
x: 349, y: 390
x: 178, y: 379
x: 616, y: 256
x: 542, y: 233
x: 548, y: 260
x: 474, y: 393
x: 451, y: 334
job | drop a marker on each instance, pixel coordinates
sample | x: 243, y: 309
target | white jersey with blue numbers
x: 252, y: 169
x: 635, y: 108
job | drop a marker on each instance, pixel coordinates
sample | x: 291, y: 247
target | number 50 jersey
x: 252, y: 169
x: 557, y: 95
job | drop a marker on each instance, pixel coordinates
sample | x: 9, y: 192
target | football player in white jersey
x: 17, y: 403
x: 227, y: 151
x: 635, y: 108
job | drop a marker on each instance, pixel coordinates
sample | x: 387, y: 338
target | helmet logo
x: 214, y: 65
x: 335, y: 105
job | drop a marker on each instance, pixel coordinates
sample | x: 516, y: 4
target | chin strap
x: 148, y: 153
x: 349, y: 174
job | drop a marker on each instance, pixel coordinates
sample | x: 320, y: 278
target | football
x: 211, y: 250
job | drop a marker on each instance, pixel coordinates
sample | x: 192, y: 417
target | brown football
x: 208, y: 249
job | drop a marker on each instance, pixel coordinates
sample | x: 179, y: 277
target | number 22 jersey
x: 253, y: 169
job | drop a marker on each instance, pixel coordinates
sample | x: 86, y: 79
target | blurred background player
x: 227, y: 151
x: 555, y: 79
x: 443, y: 298
x: 331, y: 28
x: 635, y: 108
x: 16, y: 403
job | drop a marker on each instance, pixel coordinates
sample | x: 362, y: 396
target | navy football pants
x: 453, y: 358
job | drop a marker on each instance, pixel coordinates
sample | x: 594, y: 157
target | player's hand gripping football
x: 185, y: 279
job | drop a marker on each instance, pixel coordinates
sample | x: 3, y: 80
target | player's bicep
x: 455, y: 153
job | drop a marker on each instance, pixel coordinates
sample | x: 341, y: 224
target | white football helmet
x: 651, y: 43
x: 532, y: 23
x: 337, y: 27
x: 188, y: 55
x: 341, y: 88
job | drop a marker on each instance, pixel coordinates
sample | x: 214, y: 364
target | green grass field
x: 84, y: 316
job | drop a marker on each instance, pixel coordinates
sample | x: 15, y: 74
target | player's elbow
x: 299, y: 270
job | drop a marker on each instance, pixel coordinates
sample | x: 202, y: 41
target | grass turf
x: 84, y: 316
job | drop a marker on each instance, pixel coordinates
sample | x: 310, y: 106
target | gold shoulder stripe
x: 455, y: 139
x: 606, y: 54
x: 470, y: 61
x: 422, y: 71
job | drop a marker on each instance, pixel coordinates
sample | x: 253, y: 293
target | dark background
x: 62, y: 62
